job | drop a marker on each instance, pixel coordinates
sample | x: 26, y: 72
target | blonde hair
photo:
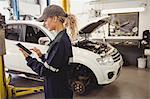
x: 70, y: 22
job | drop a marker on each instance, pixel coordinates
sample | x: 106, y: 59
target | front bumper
x: 111, y: 73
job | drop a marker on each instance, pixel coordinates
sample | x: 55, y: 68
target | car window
x: 14, y: 32
x: 33, y: 34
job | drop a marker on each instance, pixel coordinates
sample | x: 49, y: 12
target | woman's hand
x: 24, y: 53
x: 38, y: 52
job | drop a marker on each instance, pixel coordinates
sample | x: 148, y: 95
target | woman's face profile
x: 49, y: 23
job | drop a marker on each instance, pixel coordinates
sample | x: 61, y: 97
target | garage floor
x: 133, y: 83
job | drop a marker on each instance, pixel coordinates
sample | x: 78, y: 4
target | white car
x: 93, y: 62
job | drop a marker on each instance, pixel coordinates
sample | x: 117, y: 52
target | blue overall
x: 54, y: 67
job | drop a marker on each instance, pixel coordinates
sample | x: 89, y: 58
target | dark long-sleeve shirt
x: 54, y: 67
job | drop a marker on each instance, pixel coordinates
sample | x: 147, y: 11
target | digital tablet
x: 24, y: 48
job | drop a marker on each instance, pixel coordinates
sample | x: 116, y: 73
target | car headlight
x: 107, y: 60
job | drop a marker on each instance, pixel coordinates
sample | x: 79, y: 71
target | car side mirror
x: 43, y: 40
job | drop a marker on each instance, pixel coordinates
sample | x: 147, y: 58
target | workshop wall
x: 143, y: 16
x: 3, y: 10
x: 27, y: 8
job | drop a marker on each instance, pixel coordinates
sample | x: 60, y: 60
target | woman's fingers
x: 24, y: 53
x: 38, y: 52
x: 35, y: 49
x: 21, y: 49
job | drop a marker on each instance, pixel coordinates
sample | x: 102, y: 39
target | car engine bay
x: 96, y: 47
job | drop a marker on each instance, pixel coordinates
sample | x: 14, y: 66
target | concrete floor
x: 133, y: 83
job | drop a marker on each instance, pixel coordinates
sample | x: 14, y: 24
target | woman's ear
x: 55, y: 18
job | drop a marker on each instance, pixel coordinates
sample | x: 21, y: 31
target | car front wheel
x: 80, y: 77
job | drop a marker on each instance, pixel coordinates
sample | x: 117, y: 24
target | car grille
x: 115, y: 55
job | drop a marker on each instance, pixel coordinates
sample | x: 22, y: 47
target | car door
x: 28, y: 36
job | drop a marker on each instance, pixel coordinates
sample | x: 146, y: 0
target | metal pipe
x: 48, y: 2
x: 3, y: 87
x: 3, y: 92
x: 66, y: 5
x: 16, y: 8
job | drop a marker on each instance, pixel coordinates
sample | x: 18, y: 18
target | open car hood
x: 89, y: 28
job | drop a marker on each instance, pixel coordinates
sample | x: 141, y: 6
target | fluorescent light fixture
x: 123, y: 10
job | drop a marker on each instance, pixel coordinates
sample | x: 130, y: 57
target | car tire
x: 78, y: 87
x: 80, y: 78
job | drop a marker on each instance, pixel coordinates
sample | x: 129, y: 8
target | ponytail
x: 70, y: 21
